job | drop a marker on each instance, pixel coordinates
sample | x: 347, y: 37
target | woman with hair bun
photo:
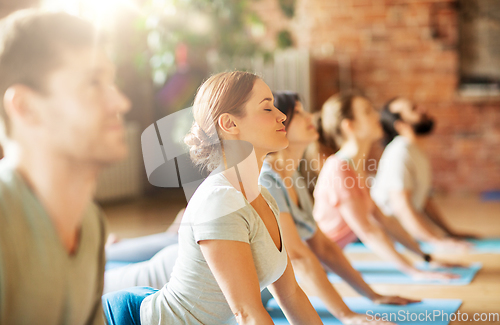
x: 230, y: 244
x: 343, y: 208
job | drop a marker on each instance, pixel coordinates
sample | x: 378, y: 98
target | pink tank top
x: 338, y: 183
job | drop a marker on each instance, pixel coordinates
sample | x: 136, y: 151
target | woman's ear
x: 346, y: 126
x: 228, y: 124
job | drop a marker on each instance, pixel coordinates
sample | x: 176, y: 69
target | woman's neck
x: 286, y: 161
x: 356, y: 151
x: 244, y: 174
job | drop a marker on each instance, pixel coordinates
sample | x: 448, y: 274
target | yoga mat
x: 407, y: 315
x: 386, y: 272
x: 115, y: 264
x: 487, y: 245
x: 490, y: 196
x: 481, y: 246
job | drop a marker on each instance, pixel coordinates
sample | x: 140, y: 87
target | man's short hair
x: 387, y: 119
x: 32, y: 44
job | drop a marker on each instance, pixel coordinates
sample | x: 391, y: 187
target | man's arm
x: 432, y: 211
x: 412, y: 221
x: 360, y: 220
x: 420, y: 227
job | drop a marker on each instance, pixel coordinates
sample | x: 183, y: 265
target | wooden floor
x: 155, y: 214
x: 144, y: 216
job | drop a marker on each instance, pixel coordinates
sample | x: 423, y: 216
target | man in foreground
x: 61, y: 123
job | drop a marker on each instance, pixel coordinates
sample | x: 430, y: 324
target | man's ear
x: 400, y: 126
x: 228, y: 124
x: 18, y: 102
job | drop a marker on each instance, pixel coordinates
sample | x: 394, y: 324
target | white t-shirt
x: 302, y: 215
x: 403, y: 166
x: 216, y: 211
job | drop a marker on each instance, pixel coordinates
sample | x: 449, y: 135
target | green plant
x: 284, y: 39
x: 214, y: 30
x: 288, y: 7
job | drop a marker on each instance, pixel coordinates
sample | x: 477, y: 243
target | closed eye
x: 268, y: 110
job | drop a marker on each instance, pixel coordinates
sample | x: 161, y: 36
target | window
x: 479, y: 48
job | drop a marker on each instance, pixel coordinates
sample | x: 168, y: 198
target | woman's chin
x: 283, y: 144
x: 309, y: 137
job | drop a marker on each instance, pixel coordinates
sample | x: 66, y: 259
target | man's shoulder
x: 11, y: 189
x: 7, y: 174
x: 95, y: 219
x: 396, y: 150
x: 398, y: 143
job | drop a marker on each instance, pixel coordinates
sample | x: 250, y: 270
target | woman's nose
x: 308, y: 115
x: 281, y: 117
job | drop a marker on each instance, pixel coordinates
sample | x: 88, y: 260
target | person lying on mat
x: 343, y: 208
x: 307, y: 245
x: 230, y: 243
x: 61, y: 123
x: 403, y: 181
x: 138, y: 249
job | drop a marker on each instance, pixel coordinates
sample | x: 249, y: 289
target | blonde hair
x: 328, y: 120
x: 336, y: 109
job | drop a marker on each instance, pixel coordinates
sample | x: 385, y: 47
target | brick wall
x: 404, y: 48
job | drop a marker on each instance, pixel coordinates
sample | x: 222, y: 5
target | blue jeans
x: 124, y: 307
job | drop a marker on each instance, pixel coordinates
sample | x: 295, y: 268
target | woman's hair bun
x: 202, y: 148
x: 196, y: 136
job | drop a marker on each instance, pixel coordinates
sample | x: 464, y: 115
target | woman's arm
x: 397, y: 231
x: 309, y: 270
x: 231, y: 263
x: 332, y: 256
x: 357, y: 216
x: 292, y: 300
x: 359, y: 219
